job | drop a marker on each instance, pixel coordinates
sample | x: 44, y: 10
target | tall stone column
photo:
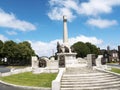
x: 69, y: 58
x: 65, y: 34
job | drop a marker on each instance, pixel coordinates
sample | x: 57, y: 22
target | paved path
x: 114, y: 65
x: 3, y: 69
x: 5, y: 87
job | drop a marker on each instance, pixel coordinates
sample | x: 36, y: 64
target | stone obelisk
x: 65, y: 31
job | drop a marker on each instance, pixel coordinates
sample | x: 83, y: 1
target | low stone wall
x: 16, y: 71
x: 52, y: 67
x: 45, y: 70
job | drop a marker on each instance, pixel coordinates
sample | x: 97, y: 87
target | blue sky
x: 40, y: 22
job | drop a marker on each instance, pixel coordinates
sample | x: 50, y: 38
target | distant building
x: 111, y: 55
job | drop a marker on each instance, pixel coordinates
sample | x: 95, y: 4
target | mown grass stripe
x: 29, y: 79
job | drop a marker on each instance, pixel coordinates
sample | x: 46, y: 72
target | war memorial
x: 74, y: 73
x: 78, y: 73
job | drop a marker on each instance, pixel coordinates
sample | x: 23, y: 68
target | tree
x: 1, y: 47
x: 17, y: 53
x: 9, y: 51
x: 93, y: 48
x: 1, y: 54
x: 25, y: 52
x: 81, y: 49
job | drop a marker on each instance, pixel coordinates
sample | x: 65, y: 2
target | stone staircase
x: 87, y: 79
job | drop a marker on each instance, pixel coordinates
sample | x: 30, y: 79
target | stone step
x: 87, y: 82
x: 96, y: 87
x: 98, y: 76
x: 79, y: 72
x: 89, y: 74
x: 89, y: 77
x: 86, y: 79
x: 79, y: 68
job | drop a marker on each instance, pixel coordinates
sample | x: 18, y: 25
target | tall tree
x: 17, y: 53
x: 1, y: 47
x: 10, y: 50
x: 81, y: 49
x: 25, y: 52
x: 93, y: 48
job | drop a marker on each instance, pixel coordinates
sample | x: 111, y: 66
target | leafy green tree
x: 93, y: 48
x: 1, y: 47
x: 81, y: 49
x: 25, y: 52
x: 10, y: 50
x: 1, y: 54
x: 17, y: 54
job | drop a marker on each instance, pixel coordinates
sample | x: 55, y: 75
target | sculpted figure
x: 58, y: 48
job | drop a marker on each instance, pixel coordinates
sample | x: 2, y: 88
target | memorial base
x: 68, y: 58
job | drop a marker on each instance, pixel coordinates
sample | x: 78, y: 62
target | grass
x: 116, y: 70
x: 29, y: 79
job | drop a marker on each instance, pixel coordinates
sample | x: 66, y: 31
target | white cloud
x: 101, y: 23
x: 72, y: 8
x: 58, y: 13
x: 96, y: 7
x: 85, y: 39
x: 60, y: 8
x: 9, y: 20
x: 11, y: 32
x: 3, y: 38
x: 46, y: 49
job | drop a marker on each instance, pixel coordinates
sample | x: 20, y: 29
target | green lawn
x: 29, y: 79
x: 116, y: 70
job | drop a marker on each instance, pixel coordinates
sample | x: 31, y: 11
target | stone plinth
x: 70, y: 59
x: 90, y: 60
x: 35, y: 62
